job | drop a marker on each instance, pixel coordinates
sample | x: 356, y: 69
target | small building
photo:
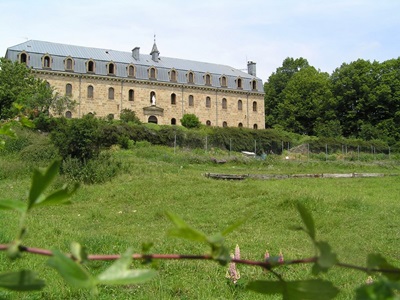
x: 159, y: 89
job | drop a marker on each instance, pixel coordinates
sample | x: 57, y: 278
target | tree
x: 305, y: 101
x: 277, y: 82
x: 190, y: 121
x: 18, y: 85
x: 128, y: 115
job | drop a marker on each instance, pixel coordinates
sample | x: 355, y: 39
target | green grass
x: 356, y: 216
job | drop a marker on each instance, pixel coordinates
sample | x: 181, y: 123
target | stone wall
x: 164, y: 111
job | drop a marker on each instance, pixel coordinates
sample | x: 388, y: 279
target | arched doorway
x: 153, y: 119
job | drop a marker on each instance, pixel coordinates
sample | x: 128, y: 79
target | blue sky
x: 229, y: 32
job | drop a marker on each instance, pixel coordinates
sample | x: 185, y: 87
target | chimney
x: 135, y: 53
x: 251, y: 68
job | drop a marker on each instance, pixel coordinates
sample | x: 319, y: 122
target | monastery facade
x: 159, y: 89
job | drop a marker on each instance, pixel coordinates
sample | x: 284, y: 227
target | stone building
x: 159, y: 89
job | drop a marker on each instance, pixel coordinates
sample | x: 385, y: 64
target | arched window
x: 131, y: 95
x: 90, y: 66
x: 208, y: 79
x: 208, y: 123
x: 152, y: 95
x: 173, y: 99
x: 254, y: 106
x: 90, y: 92
x: 173, y: 121
x: 68, y: 64
x: 191, y: 100
x: 111, y: 69
x: 224, y: 124
x: 131, y: 71
x: 46, y: 62
x: 111, y: 93
x: 255, y: 126
x: 240, y: 105
x: 190, y: 77
x: 223, y: 81
x: 173, y: 75
x: 208, y: 102
x: 68, y: 114
x: 152, y: 73
x: 23, y: 58
x: 240, y: 125
x: 68, y: 89
x: 224, y: 103
x: 254, y: 85
x: 239, y: 83
x: 152, y: 119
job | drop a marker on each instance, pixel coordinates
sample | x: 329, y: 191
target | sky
x: 327, y: 33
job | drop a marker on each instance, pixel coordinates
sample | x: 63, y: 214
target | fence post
x: 230, y: 146
x: 206, y: 142
x: 175, y: 144
x: 326, y: 152
x: 255, y: 147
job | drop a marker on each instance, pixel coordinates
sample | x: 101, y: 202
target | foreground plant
x: 70, y: 268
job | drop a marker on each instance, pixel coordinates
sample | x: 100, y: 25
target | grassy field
x: 356, y: 216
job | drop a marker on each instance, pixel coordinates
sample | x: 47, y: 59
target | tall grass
x: 356, y: 216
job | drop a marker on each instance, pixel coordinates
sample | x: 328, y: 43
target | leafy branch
x: 70, y: 266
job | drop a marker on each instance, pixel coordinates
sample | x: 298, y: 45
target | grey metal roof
x: 58, y: 52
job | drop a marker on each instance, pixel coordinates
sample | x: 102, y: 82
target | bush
x: 129, y: 116
x: 96, y: 170
x: 190, y: 121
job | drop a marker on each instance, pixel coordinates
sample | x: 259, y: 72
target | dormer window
x: 111, y: 69
x: 190, y: 77
x: 90, y: 66
x: 223, y: 81
x: 172, y: 75
x: 208, y: 79
x: 23, y: 58
x: 46, y: 62
x: 239, y: 83
x: 131, y: 71
x: 254, y: 85
x: 152, y: 73
x: 69, y: 64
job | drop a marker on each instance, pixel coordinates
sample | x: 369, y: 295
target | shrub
x: 190, y: 121
x: 127, y: 115
x: 96, y: 170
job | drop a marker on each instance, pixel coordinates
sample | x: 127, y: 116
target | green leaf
x: 13, y: 204
x: 24, y: 280
x: 60, y: 196
x: 317, y: 289
x: 235, y: 225
x: 78, y: 252
x: 119, y: 272
x: 307, y: 220
x: 40, y: 181
x: 184, y: 230
x: 327, y: 258
x: 378, y: 290
x: 73, y: 273
x: 378, y: 261
x: 26, y: 122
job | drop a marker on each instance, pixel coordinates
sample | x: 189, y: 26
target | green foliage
x: 129, y: 116
x: 78, y: 138
x: 96, y: 170
x: 190, y: 121
x: 24, y: 280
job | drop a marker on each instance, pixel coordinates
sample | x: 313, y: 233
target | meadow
x: 357, y: 216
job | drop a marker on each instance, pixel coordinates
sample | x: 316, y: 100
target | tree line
x: 360, y: 99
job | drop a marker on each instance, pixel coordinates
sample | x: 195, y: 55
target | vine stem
x: 264, y: 264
